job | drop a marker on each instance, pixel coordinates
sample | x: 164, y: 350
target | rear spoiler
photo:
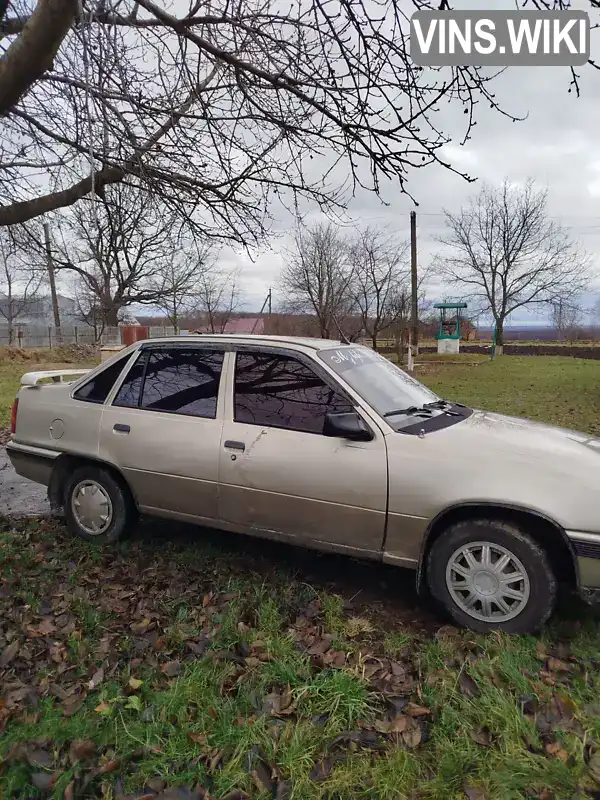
x: 56, y: 376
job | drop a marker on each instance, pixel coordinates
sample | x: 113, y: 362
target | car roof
x: 300, y: 341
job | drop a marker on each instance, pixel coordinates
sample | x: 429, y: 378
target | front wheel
x: 97, y: 507
x: 490, y: 575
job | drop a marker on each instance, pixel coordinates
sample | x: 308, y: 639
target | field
x: 224, y: 667
x: 560, y: 391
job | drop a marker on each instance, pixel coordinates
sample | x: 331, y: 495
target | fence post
x: 49, y: 336
x: 75, y: 329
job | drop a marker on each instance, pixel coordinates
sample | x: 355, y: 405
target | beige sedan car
x: 325, y: 445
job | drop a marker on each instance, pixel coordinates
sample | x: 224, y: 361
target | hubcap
x: 91, y: 507
x: 487, y: 582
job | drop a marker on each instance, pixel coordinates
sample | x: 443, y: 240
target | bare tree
x: 505, y: 251
x: 217, y: 296
x: 119, y: 249
x: 180, y: 280
x: 87, y: 310
x: 20, y: 280
x: 318, y: 277
x: 567, y: 317
x: 252, y: 101
x: 379, y: 265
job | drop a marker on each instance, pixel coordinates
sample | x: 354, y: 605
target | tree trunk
x: 499, y: 337
x: 111, y: 317
x: 11, y: 332
x: 374, y: 341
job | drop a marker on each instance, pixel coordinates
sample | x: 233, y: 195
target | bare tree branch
x: 33, y: 52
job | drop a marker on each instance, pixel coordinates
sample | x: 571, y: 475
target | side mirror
x: 347, y: 425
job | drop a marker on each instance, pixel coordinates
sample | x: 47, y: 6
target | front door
x: 163, y: 429
x: 278, y: 472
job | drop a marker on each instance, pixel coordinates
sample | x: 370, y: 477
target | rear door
x: 162, y: 428
x: 279, y: 473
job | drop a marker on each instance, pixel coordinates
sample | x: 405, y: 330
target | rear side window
x: 98, y: 388
x: 179, y: 381
x: 129, y: 391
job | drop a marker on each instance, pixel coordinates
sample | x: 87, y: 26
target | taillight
x: 13, y: 416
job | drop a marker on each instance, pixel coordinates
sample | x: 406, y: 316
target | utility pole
x: 414, y: 344
x: 50, y: 265
x: 270, y: 301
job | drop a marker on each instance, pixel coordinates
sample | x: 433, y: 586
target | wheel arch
x: 66, y: 463
x: 546, y: 532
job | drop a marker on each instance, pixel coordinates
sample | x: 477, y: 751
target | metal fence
x: 46, y: 336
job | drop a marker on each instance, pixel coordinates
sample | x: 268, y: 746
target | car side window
x: 180, y: 380
x: 280, y: 391
x: 128, y: 395
x: 98, y: 388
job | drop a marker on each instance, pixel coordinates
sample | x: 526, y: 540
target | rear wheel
x: 97, y: 507
x: 490, y: 575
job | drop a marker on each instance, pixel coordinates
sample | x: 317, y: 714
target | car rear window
x: 98, y: 388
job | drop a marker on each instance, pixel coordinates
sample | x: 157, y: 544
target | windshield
x: 376, y: 379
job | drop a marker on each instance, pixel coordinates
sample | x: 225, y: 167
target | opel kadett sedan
x: 325, y: 445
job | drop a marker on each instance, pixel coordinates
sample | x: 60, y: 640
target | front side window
x: 281, y: 392
x: 98, y: 388
x: 180, y: 381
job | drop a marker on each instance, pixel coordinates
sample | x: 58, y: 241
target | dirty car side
x: 292, y: 439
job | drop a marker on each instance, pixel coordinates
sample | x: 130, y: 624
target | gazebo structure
x: 448, y: 336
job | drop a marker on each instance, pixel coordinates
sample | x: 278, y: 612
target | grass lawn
x: 560, y: 391
x: 225, y: 667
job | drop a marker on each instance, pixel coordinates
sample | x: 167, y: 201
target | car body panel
x: 49, y: 417
x: 304, y: 486
x: 377, y: 499
x: 170, y: 461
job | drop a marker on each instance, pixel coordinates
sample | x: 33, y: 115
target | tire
x: 106, y: 496
x: 532, y: 599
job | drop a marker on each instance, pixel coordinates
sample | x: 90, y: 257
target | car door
x: 279, y: 474
x: 162, y: 428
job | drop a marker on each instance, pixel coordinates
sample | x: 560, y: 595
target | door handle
x: 231, y: 445
x: 120, y: 428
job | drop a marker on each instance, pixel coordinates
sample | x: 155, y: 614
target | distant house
x: 38, y: 312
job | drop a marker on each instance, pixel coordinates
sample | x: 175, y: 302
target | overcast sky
x: 558, y: 145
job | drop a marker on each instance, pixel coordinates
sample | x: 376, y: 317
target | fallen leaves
x: 131, y: 616
x: 9, y: 652
x: 81, y: 749
x: 43, y: 780
x: 482, y: 735
x: 468, y: 686
x: 278, y: 703
x: 171, y: 669
x: 557, y: 750
x: 96, y: 679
